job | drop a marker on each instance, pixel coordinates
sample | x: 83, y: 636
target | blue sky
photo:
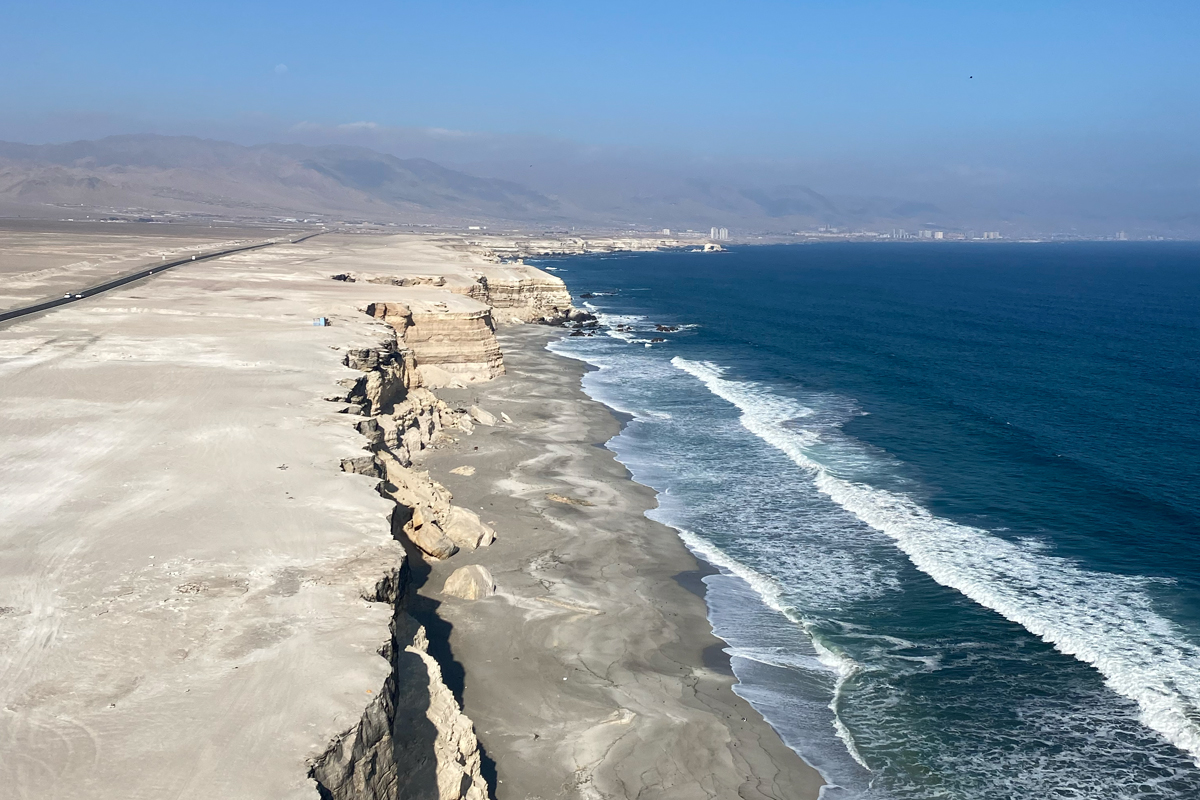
x: 1088, y: 110
x: 752, y: 78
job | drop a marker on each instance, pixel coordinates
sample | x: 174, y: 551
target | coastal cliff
x: 451, y: 333
x: 434, y: 340
x: 522, y: 294
x: 387, y: 754
x: 452, y: 339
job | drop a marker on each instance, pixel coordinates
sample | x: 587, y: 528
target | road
x: 144, y: 272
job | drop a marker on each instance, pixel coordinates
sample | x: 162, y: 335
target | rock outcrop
x: 361, y: 764
x: 456, y: 760
x: 413, y: 739
x: 453, y: 339
x: 455, y: 346
x: 388, y: 375
x: 398, y: 315
x: 424, y: 514
x: 521, y: 293
x: 427, y: 536
x: 482, y: 417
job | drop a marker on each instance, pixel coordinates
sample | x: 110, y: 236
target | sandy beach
x: 593, y: 672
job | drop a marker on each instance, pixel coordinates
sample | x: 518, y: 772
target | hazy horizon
x: 1072, y: 117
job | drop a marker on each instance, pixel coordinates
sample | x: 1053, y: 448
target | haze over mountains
x: 200, y: 176
x: 154, y: 174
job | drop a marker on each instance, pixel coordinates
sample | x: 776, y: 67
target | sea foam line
x: 1103, y: 620
x: 843, y: 667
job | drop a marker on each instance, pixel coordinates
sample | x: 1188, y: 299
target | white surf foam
x: 843, y: 667
x: 1103, y: 620
x: 846, y: 668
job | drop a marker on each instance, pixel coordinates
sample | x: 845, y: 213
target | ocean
x: 952, y: 492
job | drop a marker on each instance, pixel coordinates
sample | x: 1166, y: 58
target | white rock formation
x: 473, y: 582
x: 467, y: 530
x: 482, y: 417
x: 452, y: 337
x: 521, y: 293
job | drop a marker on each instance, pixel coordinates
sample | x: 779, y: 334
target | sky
x: 893, y: 97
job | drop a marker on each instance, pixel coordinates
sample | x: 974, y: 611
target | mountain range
x: 155, y: 174
x: 152, y: 174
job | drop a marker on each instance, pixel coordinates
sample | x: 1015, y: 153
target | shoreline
x: 567, y: 588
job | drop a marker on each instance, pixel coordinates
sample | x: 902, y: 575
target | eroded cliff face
x: 448, y: 322
x: 450, y: 346
x: 521, y: 293
x: 413, y: 739
x: 455, y: 346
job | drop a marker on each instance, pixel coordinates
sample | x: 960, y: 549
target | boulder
x: 428, y: 537
x: 466, y: 529
x: 470, y: 583
x: 481, y: 416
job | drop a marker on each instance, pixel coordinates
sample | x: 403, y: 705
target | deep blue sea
x: 953, y: 492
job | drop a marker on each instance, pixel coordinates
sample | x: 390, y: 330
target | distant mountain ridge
x: 187, y: 174
x: 153, y: 174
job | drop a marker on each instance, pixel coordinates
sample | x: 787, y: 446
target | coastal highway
x: 143, y: 272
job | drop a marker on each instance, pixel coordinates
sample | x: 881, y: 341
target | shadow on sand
x: 437, y: 630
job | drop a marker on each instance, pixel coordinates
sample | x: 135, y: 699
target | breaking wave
x: 1107, y: 621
